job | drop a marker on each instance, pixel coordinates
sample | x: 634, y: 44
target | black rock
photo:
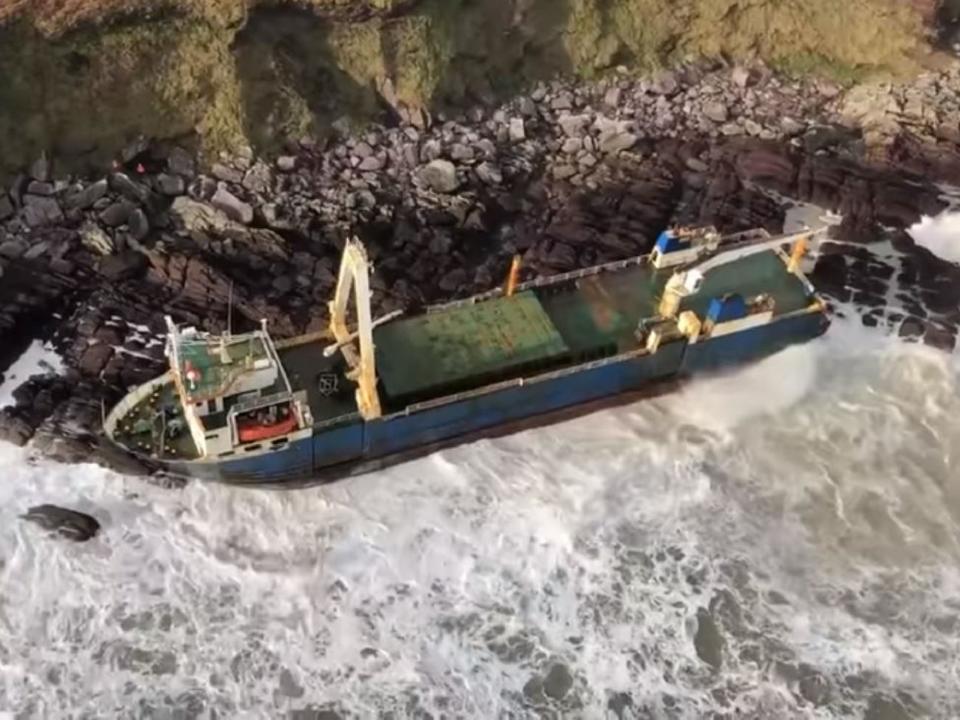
x: 708, y: 641
x: 139, y: 224
x: 172, y: 185
x: 67, y: 523
x: 40, y: 170
x: 911, y: 327
x: 40, y: 211
x: 227, y: 174
x: 122, y: 266
x: 283, y: 283
x: 14, y: 429
x: 117, y: 214
x: 88, y: 196
x: 135, y: 149
x: 6, y: 206
x: 558, y: 682
x: 45, y: 189
x: 180, y: 162
x: 129, y: 188
x: 13, y: 249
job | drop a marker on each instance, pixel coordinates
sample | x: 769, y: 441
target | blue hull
x: 355, y: 446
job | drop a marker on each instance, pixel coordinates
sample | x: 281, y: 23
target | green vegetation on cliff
x: 88, y: 94
x: 230, y: 70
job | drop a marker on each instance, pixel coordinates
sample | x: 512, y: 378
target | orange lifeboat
x: 253, y: 428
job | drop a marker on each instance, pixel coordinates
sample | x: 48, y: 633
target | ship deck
x: 155, y: 427
x: 567, y: 322
x: 330, y: 394
x: 599, y: 313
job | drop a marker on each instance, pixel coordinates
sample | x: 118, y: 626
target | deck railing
x: 131, y: 400
x: 728, y: 242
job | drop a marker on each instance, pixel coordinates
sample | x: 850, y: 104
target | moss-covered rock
x: 83, y: 76
x: 86, y: 94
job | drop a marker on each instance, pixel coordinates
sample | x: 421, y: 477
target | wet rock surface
x: 708, y: 639
x: 67, y: 523
x: 567, y: 176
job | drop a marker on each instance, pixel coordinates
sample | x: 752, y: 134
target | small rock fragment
x: 440, y: 176
x: 287, y: 163
x: 716, y: 111
x: 139, y: 224
x: 6, y: 206
x: 618, y: 142
x: 180, y: 162
x: 89, y: 195
x: 573, y: 125
x: 40, y: 169
x: 740, y: 76
x: 517, y: 130
x: 489, y: 173
x: 227, y: 174
x: 93, y: 237
x: 40, y: 211
x: 258, y: 178
x: 117, y: 214
x: 171, y: 185
x: 232, y: 206
x: 372, y: 163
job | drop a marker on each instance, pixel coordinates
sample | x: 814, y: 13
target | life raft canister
x: 252, y: 430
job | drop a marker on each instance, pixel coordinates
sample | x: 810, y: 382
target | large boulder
x: 39, y: 211
x: 66, y: 523
x: 234, y: 208
x: 440, y: 176
x: 198, y: 217
x: 86, y: 197
x: 14, y: 429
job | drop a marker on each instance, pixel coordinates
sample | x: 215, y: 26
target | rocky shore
x: 568, y: 175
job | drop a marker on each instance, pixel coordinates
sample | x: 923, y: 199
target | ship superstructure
x: 243, y: 408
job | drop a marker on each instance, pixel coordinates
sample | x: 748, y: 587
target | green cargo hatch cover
x: 465, y: 346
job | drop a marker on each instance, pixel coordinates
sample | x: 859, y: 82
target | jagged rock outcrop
x: 918, y: 123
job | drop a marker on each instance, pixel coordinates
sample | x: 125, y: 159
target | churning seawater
x: 810, y: 505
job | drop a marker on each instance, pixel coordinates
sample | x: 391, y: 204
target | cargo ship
x: 368, y: 392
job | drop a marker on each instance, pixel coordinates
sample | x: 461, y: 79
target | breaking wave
x: 778, y: 542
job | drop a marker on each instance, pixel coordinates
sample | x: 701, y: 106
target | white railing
x: 131, y: 400
x: 728, y: 242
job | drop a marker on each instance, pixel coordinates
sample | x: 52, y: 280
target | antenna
x: 230, y: 310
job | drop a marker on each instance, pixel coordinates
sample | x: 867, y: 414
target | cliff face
x: 81, y: 77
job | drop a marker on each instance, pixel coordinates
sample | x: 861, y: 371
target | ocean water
x: 940, y: 235
x: 38, y: 359
x: 702, y: 554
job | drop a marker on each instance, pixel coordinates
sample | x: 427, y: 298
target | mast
x: 354, y: 280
